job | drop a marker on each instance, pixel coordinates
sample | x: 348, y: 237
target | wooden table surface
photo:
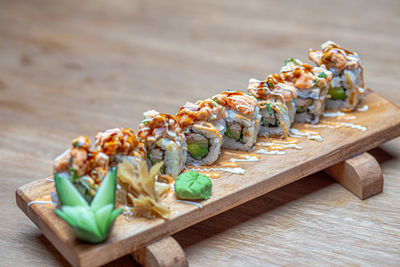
x: 71, y: 68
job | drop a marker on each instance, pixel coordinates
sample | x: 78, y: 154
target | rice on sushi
x: 164, y: 141
x: 203, y: 125
x: 242, y: 120
x: 276, y: 103
x: 312, y: 86
x: 347, y: 86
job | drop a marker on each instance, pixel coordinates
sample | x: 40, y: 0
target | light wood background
x: 78, y: 67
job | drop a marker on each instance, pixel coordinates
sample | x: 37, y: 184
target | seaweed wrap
x: 164, y: 141
x: 84, y: 167
x: 347, y: 86
x: 120, y: 144
x: 242, y: 120
x: 276, y: 103
x: 203, y: 125
x: 312, y: 85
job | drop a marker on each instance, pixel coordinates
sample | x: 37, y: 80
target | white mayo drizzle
x: 363, y: 108
x: 336, y: 114
x: 245, y: 158
x: 244, y: 104
x: 294, y: 146
x: 256, y: 84
x: 296, y: 133
x: 41, y: 202
x: 272, y: 152
x: 231, y: 170
x: 190, y: 203
x: 354, y: 126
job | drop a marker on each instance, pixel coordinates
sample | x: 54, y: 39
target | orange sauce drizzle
x: 228, y: 164
x: 325, y: 124
x: 211, y: 175
x: 276, y: 147
x: 286, y: 141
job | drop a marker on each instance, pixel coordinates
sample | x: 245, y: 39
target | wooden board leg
x: 165, y: 252
x: 360, y: 174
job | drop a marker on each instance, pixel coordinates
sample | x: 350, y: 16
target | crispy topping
x: 119, y: 141
x: 303, y: 76
x: 202, y: 110
x: 237, y: 100
x: 334, y: 56
x: 156, y: 125
x: 80, y: 160
x: 81, y: 142
x: 272, y: 87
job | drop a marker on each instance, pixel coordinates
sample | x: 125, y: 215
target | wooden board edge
x: 46, y: 229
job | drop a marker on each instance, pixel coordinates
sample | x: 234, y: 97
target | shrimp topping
x: 272, y: 87
x: 157, y: 125
x: 202, y: 110
x: 237, y: 100
x: 119, y: 141
x: 303, y: 76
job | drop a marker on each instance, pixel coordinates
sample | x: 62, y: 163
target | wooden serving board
x: 382, y: 120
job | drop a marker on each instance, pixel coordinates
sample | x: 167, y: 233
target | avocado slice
x: 337, y: 93
x: 197, y: 149
x: 233, y: 134
x: 301, y: 109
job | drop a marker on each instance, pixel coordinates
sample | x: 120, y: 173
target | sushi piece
x: 84, y: 167
x: 312, y: 85
x: 242, y: 120
x: 138, y: 189
x: 203, y: 125
x: 120, y: 144
x: 276, y: 103
x: 347, y: 86
x: 164, y: 141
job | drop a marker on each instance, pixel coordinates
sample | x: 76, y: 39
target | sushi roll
x: 276, y: 103
x: 120, y: 144
x: 164, y: 141
x: 312, y: 85
x: 347, y: 86
x: 84, y: 167
x: 203, y: 125
x: 242, y: 120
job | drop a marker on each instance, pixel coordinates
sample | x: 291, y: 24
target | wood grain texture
x: 382, y: 122
x: 162, y: 253
x: 360, y: 174
x: 79, y: 67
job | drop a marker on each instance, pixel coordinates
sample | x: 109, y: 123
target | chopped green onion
x: 269, y: 109
x: 291, y: 60
x: 322, y: 75
x: 216, y: 101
